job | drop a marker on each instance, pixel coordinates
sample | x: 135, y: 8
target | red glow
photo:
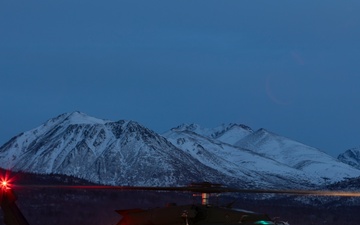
x: 5, y: 180
x: 4, y: 184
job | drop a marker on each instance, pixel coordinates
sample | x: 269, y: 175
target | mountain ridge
x: 127, y: 153
x: 351, y: 157
x: 121, y: 152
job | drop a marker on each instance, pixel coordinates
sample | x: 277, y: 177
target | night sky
x: 291, y: 67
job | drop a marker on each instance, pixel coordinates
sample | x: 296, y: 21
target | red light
x: 5, y: 180
x: 4, y: 184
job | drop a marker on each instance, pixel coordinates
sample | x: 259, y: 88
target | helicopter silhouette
x: 205, y: 213
x: 193, y: 214
x: 12, y: 214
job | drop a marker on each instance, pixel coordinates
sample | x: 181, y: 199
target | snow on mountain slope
x: 12, y: 151
x: 121, y: 153
x: 249, y: 167
x: 351, y: 157
x: 227, y: 133
x: 298, y: 156
x: 126, y: 153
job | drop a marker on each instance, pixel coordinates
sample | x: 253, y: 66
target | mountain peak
x: 355, y: 151
x: 262, y: 132
x: 228, y: 133
x: 75, y: 117
x: 81, y: 118
x: 186, y: 127
x: 213, y: 132
x: 125, y: 152
x: 351, y: 157
x: 230, y: 126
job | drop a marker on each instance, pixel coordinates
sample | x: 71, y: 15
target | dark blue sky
x: 291, y: 67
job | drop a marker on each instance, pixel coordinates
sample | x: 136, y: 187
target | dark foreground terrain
x: 97, y: 207
x: 93, y: 207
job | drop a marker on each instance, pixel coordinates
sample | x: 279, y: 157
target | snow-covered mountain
x: 351, y: 157
x: 297, y: 155
x: 251, y: 168
x: 262, y: 152
x: 126, y: 153
x: 121, y: 153
x: 228, y: 133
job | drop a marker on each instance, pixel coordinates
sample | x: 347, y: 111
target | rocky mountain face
x: 309, y: 160
x: 248, y: 166
x: 351, y: 157
x: 260, y: 156
x: 126, y: 153
x: 227, y: 133
x: 118, y: 153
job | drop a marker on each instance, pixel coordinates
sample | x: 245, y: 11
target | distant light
x: 263, y: 222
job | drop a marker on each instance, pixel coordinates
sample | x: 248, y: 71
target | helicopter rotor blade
x: 200, y: 189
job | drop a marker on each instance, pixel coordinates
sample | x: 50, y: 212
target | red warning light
x: 5, y: 180
x: 4, y: 184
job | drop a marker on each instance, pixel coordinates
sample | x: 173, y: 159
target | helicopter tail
x: 12, y: 214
